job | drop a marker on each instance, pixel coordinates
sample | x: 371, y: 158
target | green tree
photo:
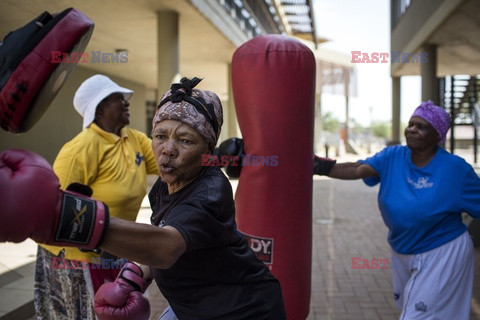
x: 356, y: 127
x: 330, y: 123
x: 382, y: 129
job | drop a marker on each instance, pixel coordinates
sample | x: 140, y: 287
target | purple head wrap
x: 436, y: 116
x: 200, y: 109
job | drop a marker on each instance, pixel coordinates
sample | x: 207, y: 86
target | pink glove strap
x: 133, y: 275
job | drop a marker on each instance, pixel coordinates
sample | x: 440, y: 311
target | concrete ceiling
x: 458, y: 43
x: 132, y: 25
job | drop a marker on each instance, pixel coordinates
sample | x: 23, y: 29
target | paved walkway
x: 346, y: 226
x: 348, y: 231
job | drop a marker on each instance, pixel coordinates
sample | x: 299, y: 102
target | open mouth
x: 165, y: 168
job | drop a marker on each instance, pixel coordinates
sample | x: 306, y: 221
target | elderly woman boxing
x: 193, y: 250
x: 199, y: 260
x: 423, y: 192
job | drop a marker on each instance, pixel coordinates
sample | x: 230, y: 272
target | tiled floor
x: 348, y: 232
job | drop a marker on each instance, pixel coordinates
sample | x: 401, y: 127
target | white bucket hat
x: 91, y: 92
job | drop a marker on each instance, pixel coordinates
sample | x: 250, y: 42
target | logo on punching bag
x: 263, y: 247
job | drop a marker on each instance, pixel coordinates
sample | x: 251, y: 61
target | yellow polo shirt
x: 114, y: 167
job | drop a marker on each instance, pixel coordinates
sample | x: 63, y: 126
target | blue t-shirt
x: 422, y: 206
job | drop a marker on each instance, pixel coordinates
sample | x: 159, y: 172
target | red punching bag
x: 273, y: 81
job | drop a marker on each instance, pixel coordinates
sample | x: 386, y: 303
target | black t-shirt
x: 219, y: 276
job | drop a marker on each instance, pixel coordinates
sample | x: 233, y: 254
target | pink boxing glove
x: 123, y: 299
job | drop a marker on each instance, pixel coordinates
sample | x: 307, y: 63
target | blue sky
x: 353, y: 25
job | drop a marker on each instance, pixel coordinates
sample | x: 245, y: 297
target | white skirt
x: 436, y: 284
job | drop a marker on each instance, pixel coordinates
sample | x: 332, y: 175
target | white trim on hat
x: 91, y: 92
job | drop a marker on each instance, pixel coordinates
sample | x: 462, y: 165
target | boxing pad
x: 273, y: 81
x: 29, y: 77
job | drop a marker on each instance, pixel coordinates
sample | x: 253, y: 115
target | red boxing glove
x: 123, y: 298
x: 34, y: 206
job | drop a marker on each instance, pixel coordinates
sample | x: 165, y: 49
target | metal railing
x: 241, y: 16
x: 459, y: 96
x: 398, y: 9
x: 255, y: 17
x: 476, y: 124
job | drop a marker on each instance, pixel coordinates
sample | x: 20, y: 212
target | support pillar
x: 396, y: 103
x: 167, y: 50
x: 318, y: 138
x: 230, y: 116
x: 346, y: 73
x: 428, y: 71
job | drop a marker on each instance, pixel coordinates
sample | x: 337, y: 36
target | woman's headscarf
x: 200, y: 109
x: 436, y: 116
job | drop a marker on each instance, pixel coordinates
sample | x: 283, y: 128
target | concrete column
x: 346, y: 79
x: 396, y: 103
x: 428, y: 71
x: 167, y: 50
x: 318, y: 145
x: 349, y: 147
x: 230, y: 127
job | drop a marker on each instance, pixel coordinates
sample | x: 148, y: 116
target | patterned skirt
x: 63, y: 293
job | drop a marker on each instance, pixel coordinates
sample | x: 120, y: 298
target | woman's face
x: 114, y: 110
x: 420, y: 134
x: 178, y: 149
